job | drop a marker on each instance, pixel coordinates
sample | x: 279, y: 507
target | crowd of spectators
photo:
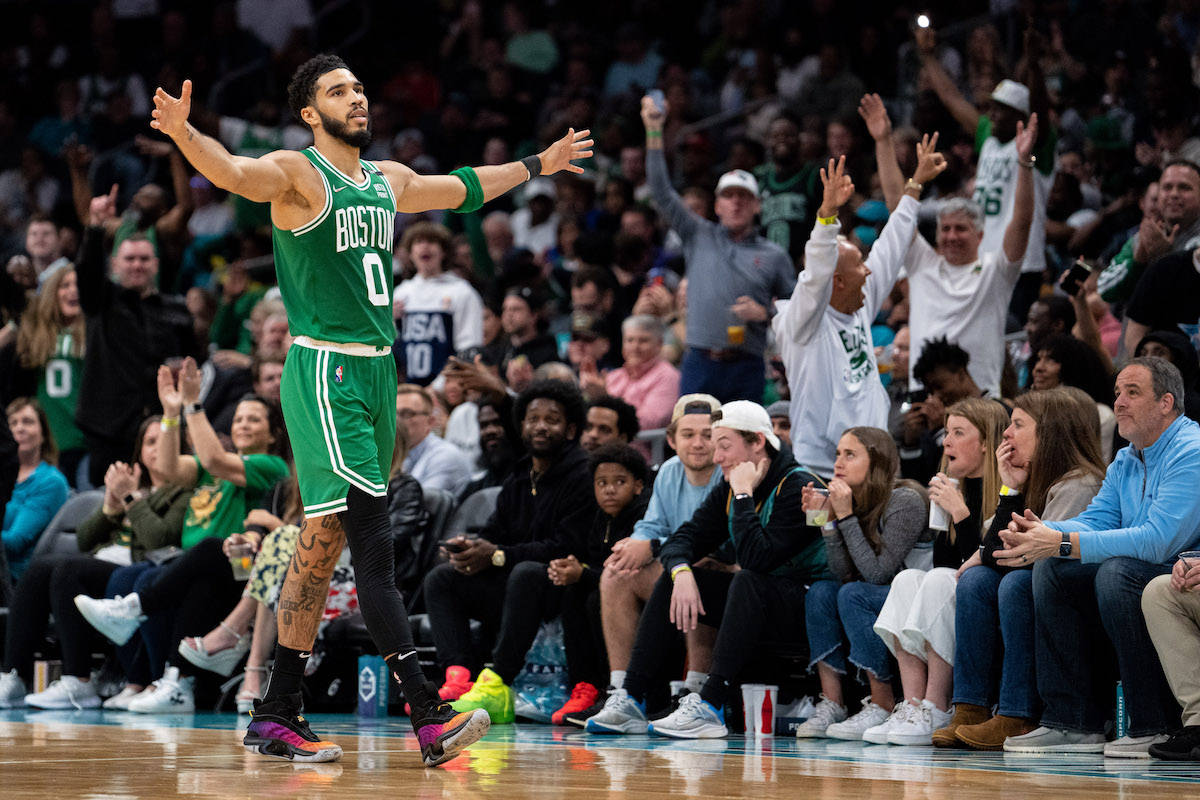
x: 930, y: 241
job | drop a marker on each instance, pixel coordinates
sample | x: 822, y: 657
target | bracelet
x: 911, y: 184
x: 1028, y: 164
x: 110, y: 512
x: 192, y: 408
x: 827, y: 220
x: 678, y: 569
x: 533, y: 165
x: 166, y: 423
x: 1008, y: 491
x: 653, y: 134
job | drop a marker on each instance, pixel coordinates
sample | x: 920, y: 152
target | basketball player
x: 333, y: 216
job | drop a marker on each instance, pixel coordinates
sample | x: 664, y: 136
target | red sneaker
x: 458, y: 682
x: 583, y: 697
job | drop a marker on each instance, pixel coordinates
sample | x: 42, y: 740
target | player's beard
x: 340, y: 130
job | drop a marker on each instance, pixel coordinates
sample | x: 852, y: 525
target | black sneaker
x: 277, y: 730
x: 444, y: 733
x: 1183, y: 745
x: 579, y: 718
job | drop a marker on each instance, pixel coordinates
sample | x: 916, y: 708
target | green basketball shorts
x: 339, y: 406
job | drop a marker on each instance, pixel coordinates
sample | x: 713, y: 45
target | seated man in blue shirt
x: 434, y: 462
x: 1088, y: 599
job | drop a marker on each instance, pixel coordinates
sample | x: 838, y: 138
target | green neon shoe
x: 492, y: 695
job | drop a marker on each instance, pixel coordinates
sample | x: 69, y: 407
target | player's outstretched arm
x: 415, y: 193
x: 259, y: 179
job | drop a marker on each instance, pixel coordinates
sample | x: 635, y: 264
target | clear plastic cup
x: 816, y: 517
x: 241, y: 558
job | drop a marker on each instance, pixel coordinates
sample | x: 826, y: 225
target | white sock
x: 616, y: 679
x: 694, y: 681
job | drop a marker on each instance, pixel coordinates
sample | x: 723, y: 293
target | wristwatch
x: 743, y: 496
x: 192, y: 408
x: 1065, y: 548
x: 131, y: 498
x: 498, y: 558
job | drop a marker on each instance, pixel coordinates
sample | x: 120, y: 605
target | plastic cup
x: 758, y: 706
x: 939, y: 520
x: 816, y: 517
x: 736, y: 334
x: 1190, y: 558
x: 241, y: 558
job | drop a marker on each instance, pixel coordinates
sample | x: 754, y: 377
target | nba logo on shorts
x: 337, y: 374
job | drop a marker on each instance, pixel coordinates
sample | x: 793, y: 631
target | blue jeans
x: 744, y: 379
x: 835, y: 613
x: 1076, y: 606
x: 993, y: 626
x: 145, y: 655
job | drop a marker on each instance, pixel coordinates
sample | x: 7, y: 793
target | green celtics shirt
x: 335, y: 272
x: 58, y: 393
x: 219, y: 507
x: 789, y: 207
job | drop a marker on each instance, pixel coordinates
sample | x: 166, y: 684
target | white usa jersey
x: 996, y: 189
x: 442, y: 316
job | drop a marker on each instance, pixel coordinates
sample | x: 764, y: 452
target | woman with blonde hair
x: 1050, y: 463
x: 916, y: 622
x: 48, y: 357
x: 875, y: 520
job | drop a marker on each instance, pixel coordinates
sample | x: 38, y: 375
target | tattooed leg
x: 302, y: 598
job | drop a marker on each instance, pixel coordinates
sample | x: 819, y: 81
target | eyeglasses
x: 407, y: 414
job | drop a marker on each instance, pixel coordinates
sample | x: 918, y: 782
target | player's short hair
x: 302, y: 89
x: 564, y: 394
x: 621, y: 454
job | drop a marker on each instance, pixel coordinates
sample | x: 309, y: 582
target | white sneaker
x: 120, y: 702
x: 825, y: 714
x: 694, y: 719
x: 12, y: 690
x: 66, y: 692
x: 172, y: 695
x: 852, y: 729
x: 1133, y: 746
x: 117, y: 619
x: 621, y: 714
x: 918, y: 728
x: 899, y: 716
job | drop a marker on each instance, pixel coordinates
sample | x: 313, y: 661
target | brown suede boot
x: 990, y: 735
x: 964, y: 714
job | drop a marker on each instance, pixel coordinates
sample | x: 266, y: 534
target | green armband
x: 474, y: 199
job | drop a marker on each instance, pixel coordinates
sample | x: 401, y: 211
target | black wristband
x: 533, y: 165
x: 261, y: 530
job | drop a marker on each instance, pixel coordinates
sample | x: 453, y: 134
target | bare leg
x: 261, y: 645
x: 238, y: 621
x: 913, y: 674
x: 302, y: 598
x: 881, y: 693
x: 700, y: 644
x: 940, y: 682
x: 831, y: 683
x: 621, y: 603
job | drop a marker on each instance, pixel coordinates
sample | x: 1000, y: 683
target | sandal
x: 221, y: 662
x: 245, y: 698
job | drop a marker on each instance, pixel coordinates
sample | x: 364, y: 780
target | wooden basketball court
x: 94, y: 754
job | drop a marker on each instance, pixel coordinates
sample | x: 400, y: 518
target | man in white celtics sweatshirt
x: 824, y: 330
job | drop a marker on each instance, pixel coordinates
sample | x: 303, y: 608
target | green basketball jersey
x: 335, y: 272
x: 58, y: 393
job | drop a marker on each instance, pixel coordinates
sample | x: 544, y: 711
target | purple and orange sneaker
x: 444, y: 732
x: 277, y: 730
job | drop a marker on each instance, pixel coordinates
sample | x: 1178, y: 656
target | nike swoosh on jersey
x: 338, y: 189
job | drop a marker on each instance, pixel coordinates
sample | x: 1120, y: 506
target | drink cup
x: 241, y: 558
x: 736, y: 334
x: 1190, y: 558
x: 939, y: 520
x: 758, y: 704
x: 816, y: 517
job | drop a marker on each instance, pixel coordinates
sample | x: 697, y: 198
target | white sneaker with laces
x: 899, y: 716
x: 621, y: 714
x: 172, y: 695
x: 694, y: 719
x: 117, y: 619
x: 68, y: 692
x: 1133, y: 746
x: 825, y: 714
x: 12, y: 690
x: 120, y: 701
x: 852, y: 729
x: 918, y: 728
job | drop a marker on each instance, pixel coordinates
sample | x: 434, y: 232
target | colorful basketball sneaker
x: 492, y: 695
x: 444, y: 733
x: 583, y: 697
x: 277, y: 730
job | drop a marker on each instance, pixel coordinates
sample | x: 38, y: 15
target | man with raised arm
x: 333, y: 219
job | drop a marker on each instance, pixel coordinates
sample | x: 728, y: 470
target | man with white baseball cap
x: 733, y: 272
x: 757, y: 510
x: 998, y: 167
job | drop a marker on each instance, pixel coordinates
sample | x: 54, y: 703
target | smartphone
x: 454, y: 546
x: 914, y: 397
x: 1074, y: 278
x: 660, y: 99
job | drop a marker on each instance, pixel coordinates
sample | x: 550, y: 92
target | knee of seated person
x: 1121, y: 577
x: 824, y: 594
x: 1157, y: 594
x: 1016, y: 586
x: 909, y: 580
x: 438, y: 578
x: 527, y: 571
x: 976, y: 579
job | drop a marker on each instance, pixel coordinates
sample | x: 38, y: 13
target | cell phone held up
x: 1075, y: 277
x: 914, y: 397
x: 660, y: 99
x: 453, y: 545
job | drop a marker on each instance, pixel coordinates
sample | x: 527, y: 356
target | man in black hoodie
x: 757, y: 509
x: 544, y: 504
